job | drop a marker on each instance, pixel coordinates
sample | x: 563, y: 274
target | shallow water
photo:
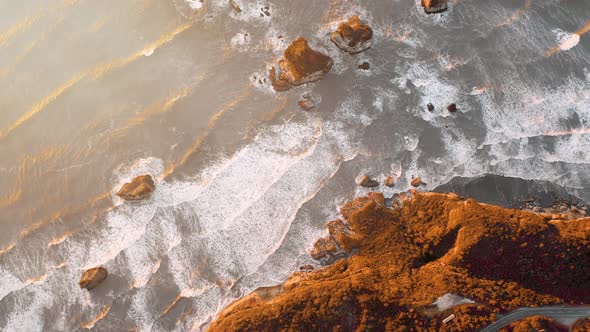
x: 96, y: 92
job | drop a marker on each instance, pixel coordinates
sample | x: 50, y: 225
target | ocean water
x: 97, y: 92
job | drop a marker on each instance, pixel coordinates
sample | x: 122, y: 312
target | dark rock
x: 139, y: 188
x: 366, y: 181
x: 430, y: 107
x: 364, y: 66
x: 306, y: 268
x: 452, y: 108
x: 301, y: 64
x: 434, y: 6
x: 513, y: 192
x: 93, y: 277
x: 353, y: 36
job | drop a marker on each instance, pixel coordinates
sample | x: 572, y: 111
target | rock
x: 434, y: 6
x: 366, y: 181
x: 389, y: 182
x: 364, y: 66
x: 235, y: 6
x: 323, y: 249
x: 301, y: 64
x: 139, y: 188
x: 452, y: 108
x: 353, y: 36
x: 278, y: 84
x: 430, y: 107
x: 306, y: 104
x: 417, y: 182
x: 537, y: 209
x: 93, y: 277
x: 306, y: 268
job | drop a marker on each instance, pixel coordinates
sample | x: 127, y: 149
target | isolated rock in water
x: 434, y: 6
x: 235, y: 6
x: 452, y: 108
x: 301, y: 64
x: 93, y: 277
x: 306, y: 104
x: 353, y: 36
x: 389, y: 181
x: 430, y: 107
x: 417, y: 182
x: 364, y: 66
x: 368, y: 182
x: 140, y: 188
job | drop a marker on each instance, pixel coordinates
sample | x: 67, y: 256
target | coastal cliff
x: 401, y: 259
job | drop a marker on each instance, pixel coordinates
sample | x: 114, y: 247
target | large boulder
x: 434, y: 6
x: 301, y: 64
x: 139, y: 188
x: 93, y: 277
x: 353, y: 36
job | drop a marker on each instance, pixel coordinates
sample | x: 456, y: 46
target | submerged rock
x: 353, y: 36
x: 434, y: 6
x: 139, y: 188
x: 301, y: 64
x: 93, y: 277
x: 366, y: 181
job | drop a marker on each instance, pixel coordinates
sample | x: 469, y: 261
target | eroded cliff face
x: 402, y: 259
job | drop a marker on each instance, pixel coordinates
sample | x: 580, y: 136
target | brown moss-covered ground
x: 581, y: 325
x: 405, y: 258
x: 535, y: 323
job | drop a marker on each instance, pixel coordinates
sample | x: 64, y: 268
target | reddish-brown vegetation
x: 581, y: 325
x: 403, y: 259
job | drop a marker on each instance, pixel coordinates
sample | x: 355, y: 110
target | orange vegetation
x: 402, y: 259
x: 581, y: 325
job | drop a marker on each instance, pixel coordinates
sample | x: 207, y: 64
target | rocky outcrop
x: 300, y: 65
x: 434, y: 6
x: 139, y: 188
x: 353, y: 36
x: 93, y: 277
x: 401, y: 260
x: 366, y: 181
x: 417, y: 182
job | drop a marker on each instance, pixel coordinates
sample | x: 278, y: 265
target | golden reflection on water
x: 94, y: 73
